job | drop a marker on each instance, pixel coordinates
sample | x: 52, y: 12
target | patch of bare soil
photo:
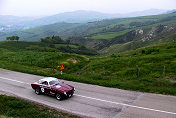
x: 72, y: 60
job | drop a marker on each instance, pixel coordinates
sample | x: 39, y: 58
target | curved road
x: 92, y: 100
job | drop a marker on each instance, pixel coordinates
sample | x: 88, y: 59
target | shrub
x: 41, y: 49
x: 149, y: 51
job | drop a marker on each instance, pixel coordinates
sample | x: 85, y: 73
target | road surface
x: 91, y: 100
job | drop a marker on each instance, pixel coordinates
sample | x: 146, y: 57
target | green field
x: 109, y: 35
x: 116, y: 70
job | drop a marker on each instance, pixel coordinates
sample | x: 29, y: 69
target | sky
x: 51, y: 7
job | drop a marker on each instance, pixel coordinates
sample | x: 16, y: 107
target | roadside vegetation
x: 12, y: 107
x: 156, y: 71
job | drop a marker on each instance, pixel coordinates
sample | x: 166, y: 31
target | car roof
x: 48, y: 79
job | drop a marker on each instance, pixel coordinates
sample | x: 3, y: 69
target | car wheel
x: 37, y: 91
x: 58, y: 96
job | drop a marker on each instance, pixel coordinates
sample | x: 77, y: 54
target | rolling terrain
x: 137, y: 54
x: 116, y: 70
x: 108, y: 36
x: 10, y: 23
x: 103, y: 26
x: 125, y: 51
x: 130, y: 34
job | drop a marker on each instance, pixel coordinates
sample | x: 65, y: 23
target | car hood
x: 62, y: 87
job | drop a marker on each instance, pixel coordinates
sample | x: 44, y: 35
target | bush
x: 149, y: 51
x: 41, y: 49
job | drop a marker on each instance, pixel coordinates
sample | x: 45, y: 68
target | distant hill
x: 144, y: 13
x: 131, y: 33
x: 14, y: 23
x: 80, y: 16
x: 139, y: 38
x: 110, y: 35
x: 14, y: 20
x: 34, y: 34
x: 103, y: 29
x: 171, y: 11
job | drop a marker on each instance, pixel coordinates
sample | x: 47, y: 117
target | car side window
x: 45, y: 83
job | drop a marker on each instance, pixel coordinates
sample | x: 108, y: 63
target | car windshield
x: 54, y: 82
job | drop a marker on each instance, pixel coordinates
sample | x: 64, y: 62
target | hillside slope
x: 108, y: 36
x: 139, y: 38
x: 35, y: 34
x: 95, y: 30
x: 117, y: 70
x: 131, y: 34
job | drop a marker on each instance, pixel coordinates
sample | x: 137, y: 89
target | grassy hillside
x: 117, y: 70
x: 135, y: 23
x: 130, y: 40
x: 138, y: 41
x: 130, y: 33
x: 94, y: 30
x: 61, y: 46
x: 106, y: 36
x: 38, y: 54
x: 34, y: 34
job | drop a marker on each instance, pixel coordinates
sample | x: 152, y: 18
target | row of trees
x: 12, y: 38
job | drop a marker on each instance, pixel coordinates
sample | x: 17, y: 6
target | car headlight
x: 65, y: 93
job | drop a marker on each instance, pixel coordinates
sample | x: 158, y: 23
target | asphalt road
x: 92, y: 100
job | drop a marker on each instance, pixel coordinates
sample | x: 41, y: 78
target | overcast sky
x: 50, y: 7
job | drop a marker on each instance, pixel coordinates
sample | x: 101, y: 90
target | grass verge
x: 18, y: 108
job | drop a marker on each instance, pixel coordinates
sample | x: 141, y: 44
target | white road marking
x: 144, y: 108
x: 14, y: 80
x: 126, y: 104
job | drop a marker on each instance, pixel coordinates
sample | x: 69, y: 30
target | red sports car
x: 54, y: 87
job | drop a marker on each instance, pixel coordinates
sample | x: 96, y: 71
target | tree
x: 7, y: 38
x: 12, y: 38
x: 17, y: 38
x: 53, y: 37
x: 52, y: 40
x: 68, y: 41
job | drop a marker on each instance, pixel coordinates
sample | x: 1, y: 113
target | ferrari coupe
x: 52, y: 86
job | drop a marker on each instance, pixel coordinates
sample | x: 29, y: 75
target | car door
x: 45, y: 87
